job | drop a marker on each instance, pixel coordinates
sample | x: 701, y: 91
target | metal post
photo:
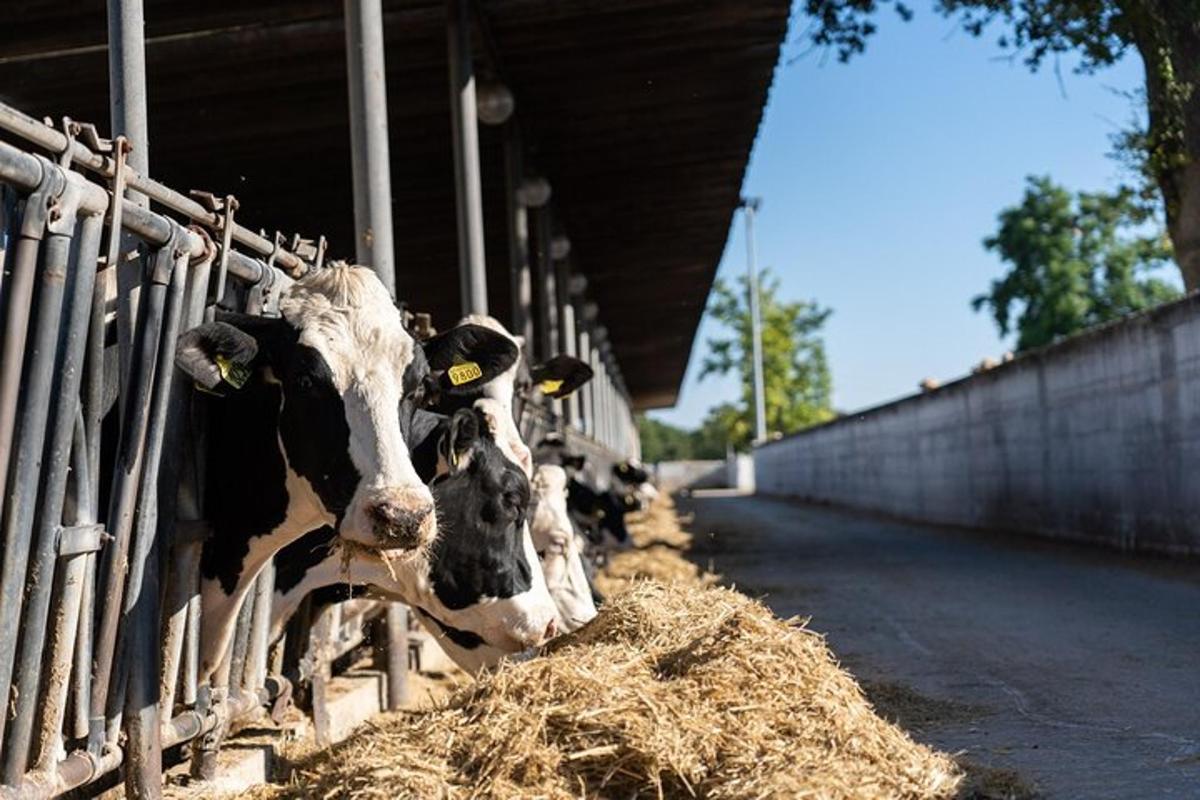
x: 545, y: 286
x: 369, y: 139
x: 65, y: 393
x: 472, y: 270
x: 751, y: 205
x: 566, y: 332
x: 397, y: 655
x: 518, y: 238
x: 588, y: 427
x: 127, y: 107
x: 31, y: 425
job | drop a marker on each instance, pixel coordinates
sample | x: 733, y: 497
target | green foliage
x: 1165, y: 33
x: 1075, y: 261
x: 664, y: 442
x: 797, y: 383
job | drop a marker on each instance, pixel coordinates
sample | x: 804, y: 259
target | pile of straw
x: 677, y: 689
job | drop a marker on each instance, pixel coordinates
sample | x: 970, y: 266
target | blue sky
x: 879, y: 180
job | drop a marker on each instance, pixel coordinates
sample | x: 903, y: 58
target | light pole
x: 750, y: 206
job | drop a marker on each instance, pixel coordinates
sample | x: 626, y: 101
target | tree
x: 1166, y: 33
x: 664, y: 442
x: 1076, y: 261
x: 795, y: 373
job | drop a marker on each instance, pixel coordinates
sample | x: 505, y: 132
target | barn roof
x: 640, y: 113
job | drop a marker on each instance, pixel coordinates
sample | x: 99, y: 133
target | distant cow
x: 478, y: 587
x: 310, y: 428
x: 558, y: 548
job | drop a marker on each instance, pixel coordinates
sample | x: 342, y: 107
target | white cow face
x: 557, y: 548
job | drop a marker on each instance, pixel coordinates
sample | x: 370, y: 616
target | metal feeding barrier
x: 101, y: 475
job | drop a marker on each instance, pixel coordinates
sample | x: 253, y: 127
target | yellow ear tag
x: 464, y: 373
x: 550, y: 387
x: 233, y: 373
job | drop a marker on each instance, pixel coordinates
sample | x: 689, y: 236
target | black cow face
x: 478, y: 587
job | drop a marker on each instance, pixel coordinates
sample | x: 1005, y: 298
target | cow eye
x: 304, y: 383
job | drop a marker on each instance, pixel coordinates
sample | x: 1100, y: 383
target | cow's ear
x: 560, y: 376
x: 461, y: 436
x: 220, y: 355
x: 216, y: 354
x: 466, y: 357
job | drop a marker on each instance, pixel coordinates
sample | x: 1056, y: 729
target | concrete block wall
x: 1095, y: 438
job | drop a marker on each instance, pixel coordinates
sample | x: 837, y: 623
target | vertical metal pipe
x: 544, y: 297
x: 127, y: 109
x: 369, y: 139
x: 397, y: 655
x: 566, y: 332
x: 520, y: 283
x: 260, y: 629
x: 750, y: 206
x: 123, y: 502
x: 585, y: 394
x: 30, y: 437
x: 65, y: 394
x: 143, y: 775
x: 65, y: 628
x: 472, y: 269
x: 19, y: 297
x: 180, y: 506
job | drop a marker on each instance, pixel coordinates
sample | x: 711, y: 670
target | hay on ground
x: 677, y: 689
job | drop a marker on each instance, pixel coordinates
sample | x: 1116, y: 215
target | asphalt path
x: 1076, y: 667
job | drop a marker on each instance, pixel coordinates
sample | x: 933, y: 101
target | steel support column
x: 520, y: 283
x: 546, y: 336
x: 588, y: 428
x: 127, y: 108
x: 750, y: 206
x: 472, y: 269
x: 566, y: 331
x: 369, y: 139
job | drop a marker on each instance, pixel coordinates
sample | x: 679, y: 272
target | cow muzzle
x: 394, y: 519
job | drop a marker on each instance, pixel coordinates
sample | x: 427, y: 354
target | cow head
x: 557, y: 548
x: 478, y: 587
x: 348, y: 378
x: 519, y: 385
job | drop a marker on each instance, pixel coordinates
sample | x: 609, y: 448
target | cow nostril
x: 394, y: 522
x: 551, y: 630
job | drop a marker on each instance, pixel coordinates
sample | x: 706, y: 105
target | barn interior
x: 641, y: 121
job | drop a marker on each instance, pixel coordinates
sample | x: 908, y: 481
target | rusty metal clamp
x: 116, y: 208
x: 163, y: 260
x: 37, y: 206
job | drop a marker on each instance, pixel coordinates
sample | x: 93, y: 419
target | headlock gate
x: 102, y: 485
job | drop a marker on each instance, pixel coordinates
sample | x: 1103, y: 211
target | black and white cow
x: 478, y: 588
x: 633, y: 479
x: 560, y: 550
x: 311, y: 425
x: 500, y: 403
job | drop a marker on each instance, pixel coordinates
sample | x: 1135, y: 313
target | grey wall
x: 1094, y: 438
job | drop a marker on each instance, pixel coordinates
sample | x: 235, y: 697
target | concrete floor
x: 1078, y: 668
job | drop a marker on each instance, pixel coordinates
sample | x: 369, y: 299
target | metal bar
x: 56, y: 461
x: 544, y: 299
x: 369, y: 139
x: 585, y: 400
x: 750, y: 206
x: 179, y: 504
x: 46, y: 185
x: 241, y: 643
x: 122, y: 505
x: 127, y: 110
x: 520, y: 281
x: 260, y: 628
x: 65, y: 628
x: 24, y: 171
x: 143, y: 776
x: 31, y: 424
x: 472, y: 268
x: 397, y: 655
x: 566, y: 330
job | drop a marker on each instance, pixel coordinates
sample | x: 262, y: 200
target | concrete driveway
x: 1078, y: 668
